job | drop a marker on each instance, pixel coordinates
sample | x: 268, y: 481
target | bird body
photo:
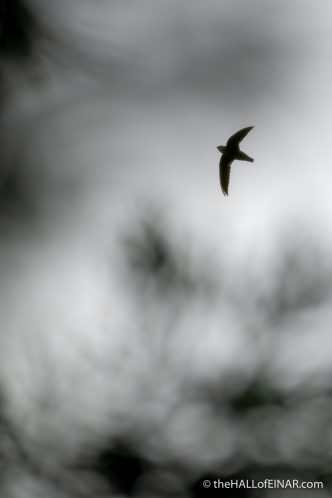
x: 231, y: 152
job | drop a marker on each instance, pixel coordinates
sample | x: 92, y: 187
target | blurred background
x: 154, y: 333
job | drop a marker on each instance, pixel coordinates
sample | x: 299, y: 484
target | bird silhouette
x: 230, y: 152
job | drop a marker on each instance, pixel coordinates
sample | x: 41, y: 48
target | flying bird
x: 230, y: 152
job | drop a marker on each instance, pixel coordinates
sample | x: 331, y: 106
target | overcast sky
x: 120, y: 117
x: 179, y: 79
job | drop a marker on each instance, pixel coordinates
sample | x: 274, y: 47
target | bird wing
x: 239, y: 136
x: 224, y: 172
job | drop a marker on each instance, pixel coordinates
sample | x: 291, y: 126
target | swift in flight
x: 231, y: 152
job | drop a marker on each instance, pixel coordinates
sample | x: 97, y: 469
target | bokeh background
x: 154, y: 333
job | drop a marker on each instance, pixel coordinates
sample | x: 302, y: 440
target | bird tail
x: 241, y: 156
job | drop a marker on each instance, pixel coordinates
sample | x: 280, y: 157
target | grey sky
x: 125, y: 120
